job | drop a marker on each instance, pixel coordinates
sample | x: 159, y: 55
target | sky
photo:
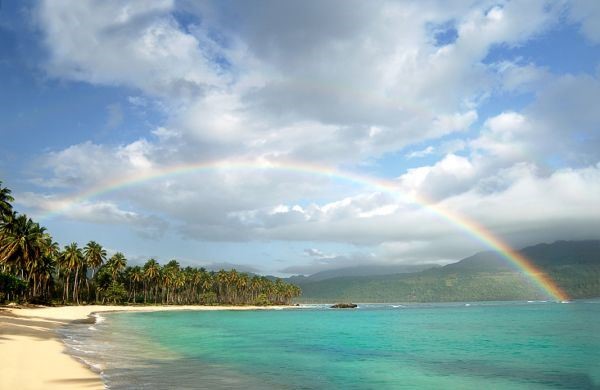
x: 488, y: 109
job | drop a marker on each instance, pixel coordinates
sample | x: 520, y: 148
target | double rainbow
x: 471, y: 227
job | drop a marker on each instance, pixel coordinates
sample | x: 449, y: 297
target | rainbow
x: 471, y: 227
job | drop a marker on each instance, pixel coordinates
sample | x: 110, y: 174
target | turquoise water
x: 476, y: 346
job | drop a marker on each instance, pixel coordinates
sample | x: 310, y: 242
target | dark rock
x: 344, y: 306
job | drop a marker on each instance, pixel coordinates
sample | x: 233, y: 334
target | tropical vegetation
x: 574, y: 266
x: 33, y: 268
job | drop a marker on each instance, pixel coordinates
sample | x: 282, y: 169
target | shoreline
x: 34, y: 356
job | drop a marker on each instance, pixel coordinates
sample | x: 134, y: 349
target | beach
x: 33, y: 356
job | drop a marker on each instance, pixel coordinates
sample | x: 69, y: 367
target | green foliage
x: 262, y: 300
x: 11, y: 286
x: 103, y: 277
x: 5, y: 199
x: 573, y: 266
x: 578, y: 281
x: 27, y: 250
x: 208, y: 298
x: 115, y: 293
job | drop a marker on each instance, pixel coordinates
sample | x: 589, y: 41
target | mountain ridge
x: 573, y: 265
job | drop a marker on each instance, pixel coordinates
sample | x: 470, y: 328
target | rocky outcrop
x: 344, y: 306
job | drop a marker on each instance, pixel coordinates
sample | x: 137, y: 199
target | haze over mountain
x: 574, y: 265
x: 366, y: 270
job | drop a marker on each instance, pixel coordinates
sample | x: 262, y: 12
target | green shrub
x: 115, y: 293
x: 209, y: 298
x: 262, y: 300
x: 11, y: 287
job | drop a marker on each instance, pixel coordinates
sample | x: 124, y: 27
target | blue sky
x: 488, y: 108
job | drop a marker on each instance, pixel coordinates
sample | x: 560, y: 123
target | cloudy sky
x: 487, y: 108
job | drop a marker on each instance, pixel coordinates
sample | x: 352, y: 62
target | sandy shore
x: 32, y: 356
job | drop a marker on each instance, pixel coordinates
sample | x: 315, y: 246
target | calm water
x: 476, y: 346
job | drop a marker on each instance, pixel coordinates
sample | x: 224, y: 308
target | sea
x: 491, y: 345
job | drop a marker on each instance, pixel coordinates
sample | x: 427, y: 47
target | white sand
x: 32, y: 356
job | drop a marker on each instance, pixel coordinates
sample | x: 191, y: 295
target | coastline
x: 33, y: 355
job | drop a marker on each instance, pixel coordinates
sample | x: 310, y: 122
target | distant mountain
x: 573, y: 265
x: 371, y: 270
x: 543, y: 255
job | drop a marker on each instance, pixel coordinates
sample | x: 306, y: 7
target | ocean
x: 494, y: 345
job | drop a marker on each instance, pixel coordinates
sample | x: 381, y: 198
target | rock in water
x: 344, y: 306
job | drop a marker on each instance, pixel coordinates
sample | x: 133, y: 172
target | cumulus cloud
x: 335, y: 85
x: 421, y: 153
x: 128, y: 43
x: 96, y: 212
x: 87, y: 164
x: 587, y: 13
x: 517, y: 77
x: 279, y: 81
x: 313, y: 252
x: 450, y: 175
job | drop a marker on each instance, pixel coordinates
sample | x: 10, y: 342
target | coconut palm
x: 94, y: 255
x: 22, y: 241
x: 116, y: 264
x: 136, y: 277
x: 207, y: 282
x: 151, y: 274
x: 222, y: 279
x: 45, y: 273
x: 71, y: 261
x: 5, y: 199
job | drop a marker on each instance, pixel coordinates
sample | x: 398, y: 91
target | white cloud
x: 451, y: 174
x: 313, y: 252
x: 456, y: 122
x: 88, y: 164
x: 127, y: 43
x: 260, y: 89
x: 96, y: 212
x: 421, y: 153
x: 516, y: 77
x: 587, y: 12
x: 332, y: 85
x: 502, y: 136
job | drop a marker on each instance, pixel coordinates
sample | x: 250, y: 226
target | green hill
x: 574, y: 265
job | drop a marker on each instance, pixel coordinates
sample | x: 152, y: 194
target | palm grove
x: 33, y: 268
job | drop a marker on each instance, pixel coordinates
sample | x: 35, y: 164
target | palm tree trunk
x: 34, y: 285
x: 66, y: 291
x: 75, y: 285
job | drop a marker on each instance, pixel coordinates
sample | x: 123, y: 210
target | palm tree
x: 94, y: 255
x: 72, y: 259
x: 136, y: 276
x: 196, y: 277
x: 255, y: 287
x: 33, y: 268
x: 5, y: 199
x: 28, y: 252
x: 207, y: 282
x: 116, y: 264
x: 45, y: 272
x: 243, y: 283
x: 151, y: 273
x: 169, y: 276
x: 22, y: 241
x: 222, y: 278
